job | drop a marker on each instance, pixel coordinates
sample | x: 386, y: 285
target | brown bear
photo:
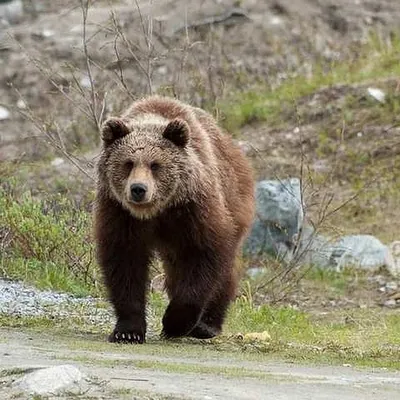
x: 170, y: 184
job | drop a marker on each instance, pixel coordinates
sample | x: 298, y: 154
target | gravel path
x: 153, y: 371
x: 131, y: 373
x: 23, y: 300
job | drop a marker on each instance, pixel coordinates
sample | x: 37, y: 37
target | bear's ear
x: 177, y: 131
x: 113, y: 129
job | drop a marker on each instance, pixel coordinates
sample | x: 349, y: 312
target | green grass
x: 50, y: 243
x: 376, y: 60
x: 364, y: 337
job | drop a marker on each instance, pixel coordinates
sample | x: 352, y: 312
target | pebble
x: 377, y: 94
x: 21, y: 104
x: 390, y: 303
x: 85, y: 82
x: 57, y: 161
x: 391, y: 286
x: 4, y: 113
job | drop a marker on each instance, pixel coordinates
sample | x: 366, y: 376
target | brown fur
x: 197, y: 210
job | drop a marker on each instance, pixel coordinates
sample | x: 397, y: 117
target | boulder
x: 11, y: 11
x: 279, y: 216
x: 360, y: 251
x: 313, y: 249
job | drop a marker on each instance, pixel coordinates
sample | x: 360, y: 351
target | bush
x: 47, y: 242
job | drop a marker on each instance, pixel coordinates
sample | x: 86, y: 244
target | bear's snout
x: 138, y: 192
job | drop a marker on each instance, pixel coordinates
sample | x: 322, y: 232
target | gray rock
x: 51, y: 380
x: 4, y: 113
x: 391, y: 303
x: 395, y: 249
x: 11, y: 11
x: 313, y: 249
x: 391, y: 286
x: 362, y: 251
x: 279, y: 216
x: 377, y: 94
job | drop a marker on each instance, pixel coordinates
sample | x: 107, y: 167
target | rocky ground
x: 22, y: 300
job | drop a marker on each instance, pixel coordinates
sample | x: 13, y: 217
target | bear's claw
x: 126, y: 337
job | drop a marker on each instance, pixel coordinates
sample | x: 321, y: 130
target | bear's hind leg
x: 190, y: 281
x: 211, y: 322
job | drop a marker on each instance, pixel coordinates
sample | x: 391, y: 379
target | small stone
x: 4, y: 113
x: 390, y: 303
x: 391, y: 286
x: 44, y: 34
x: 57, y: 161
x: 377, y: 94
x: 85, y: 82
x: 51, y: 380
x: 162, y: 70
x: 359, y: 134
x: 276, y: 21
x: 21, y: 104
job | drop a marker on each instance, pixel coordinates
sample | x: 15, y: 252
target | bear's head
x: 145, y: 163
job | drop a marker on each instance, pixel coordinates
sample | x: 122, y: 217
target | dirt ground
x: 115, y: 372
x: 202, y: 52
x: 251, y: 42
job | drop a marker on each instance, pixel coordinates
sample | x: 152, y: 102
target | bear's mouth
x: 141, y: 205
x: 141, y: 210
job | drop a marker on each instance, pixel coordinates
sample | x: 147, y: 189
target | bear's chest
x: 176, y: 228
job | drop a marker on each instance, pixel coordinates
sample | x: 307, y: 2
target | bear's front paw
x: 204, y: 331
x: 179, y: 319
x: 126, y: 332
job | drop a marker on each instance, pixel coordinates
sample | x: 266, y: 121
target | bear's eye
x: 129, y: 165
x: 154, y: 166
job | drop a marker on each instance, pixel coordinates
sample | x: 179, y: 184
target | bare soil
x: 250, y: 42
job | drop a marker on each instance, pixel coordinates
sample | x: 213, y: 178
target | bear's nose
x: 138, y: 191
